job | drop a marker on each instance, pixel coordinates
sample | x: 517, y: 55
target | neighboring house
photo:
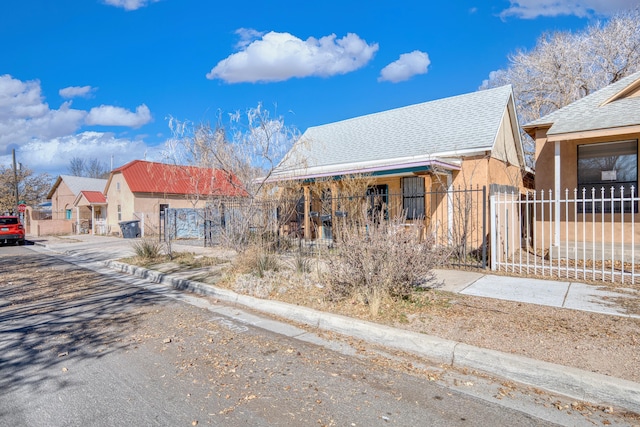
x: 458, y: 142
x: 63, y: 195
x: 96, y: 202
x: 141, y: 190
x: 586, y: 146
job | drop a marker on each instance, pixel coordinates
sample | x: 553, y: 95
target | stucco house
x: 64, y: 211
x: 141, y: 190
x: 588, y: 146
x: 409, y: 152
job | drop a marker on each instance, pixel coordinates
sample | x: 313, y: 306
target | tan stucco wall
x: 61, y: 200
x: 144, y: 207
x: 482, y: 171
x: 149, y: 206
x: 545, y: 182
x: 545, y: 163
x: 118, y: 194
x: 51, y: 227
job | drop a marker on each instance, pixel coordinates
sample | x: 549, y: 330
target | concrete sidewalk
x: 553, y: 293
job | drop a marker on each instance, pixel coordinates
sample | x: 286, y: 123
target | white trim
x: 364, y: 167
x: 556, y: 175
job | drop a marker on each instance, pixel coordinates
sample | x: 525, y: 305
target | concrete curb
x: 571, y: 382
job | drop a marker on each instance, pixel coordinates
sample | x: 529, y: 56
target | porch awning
x: 90, y: 198
x: 378, y: 168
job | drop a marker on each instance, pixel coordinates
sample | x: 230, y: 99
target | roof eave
x: 363, y: 168
x: 593, y: 133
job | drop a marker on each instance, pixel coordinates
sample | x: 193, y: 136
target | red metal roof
x: 151, y: 177
x: 94, y: 197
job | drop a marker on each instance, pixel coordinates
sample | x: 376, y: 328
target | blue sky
x: 100, y: 78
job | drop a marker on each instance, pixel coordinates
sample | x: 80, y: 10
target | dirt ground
x: 605, y: 344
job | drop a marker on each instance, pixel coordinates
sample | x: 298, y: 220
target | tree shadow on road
x: 53, y: 313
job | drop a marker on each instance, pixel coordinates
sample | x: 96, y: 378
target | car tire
x: 21, y: 242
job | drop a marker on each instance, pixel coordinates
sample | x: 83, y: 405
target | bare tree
x: 96, y: 169
x: 245, y: 148
x: 76, y: 166
x: 88, y: 168
x: 32, y: 188
x: 564, y: 67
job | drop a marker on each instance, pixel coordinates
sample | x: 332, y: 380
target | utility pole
x: 15, y: 180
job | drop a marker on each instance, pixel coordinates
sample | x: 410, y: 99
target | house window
x: 67, y: 214
x: 377, y: 202
x: 413, y: 197
x: 608, y: 165
x: 119, y: 213
x: 118, y: 186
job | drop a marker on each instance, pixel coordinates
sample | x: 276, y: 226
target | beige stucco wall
x: 545, y: 160
x: 61, y: 200
x: 118, y: 194
x: 571, y: 224
x: 144, y: 207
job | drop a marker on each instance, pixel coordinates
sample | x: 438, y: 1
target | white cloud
x: 24, y: 115
x: 44, y: 137
x: 281, y: 56
x: 76, y: 91
x: 129, y: 4
x: 247, y: 36
x: 529, y: 9
x: 407, y: 66
x: 53, y: 155
x: 20, y: 99
x: 108, y: 115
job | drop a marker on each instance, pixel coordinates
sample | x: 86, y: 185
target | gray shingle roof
x: 442, y: 127
x: 589, y: 113
x: 78, y: 183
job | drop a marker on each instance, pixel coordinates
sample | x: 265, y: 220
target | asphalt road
x: 78, y: 348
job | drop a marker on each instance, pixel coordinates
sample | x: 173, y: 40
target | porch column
x: 307, y: 216
x: 77, y: 219
x: 450, y: 207
x: 334, y: 199
x: 556, y: 180
x: 93, y: 220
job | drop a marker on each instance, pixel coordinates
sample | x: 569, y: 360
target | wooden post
x: 307, y: 216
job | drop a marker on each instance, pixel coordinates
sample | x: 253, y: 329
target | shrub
x: 302, y: 264
x: 147, y: 249
x: 379, y: 259
x: 256, y: 260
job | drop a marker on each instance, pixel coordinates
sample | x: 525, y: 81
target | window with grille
x: 413, y: 197
x: 377, y: 202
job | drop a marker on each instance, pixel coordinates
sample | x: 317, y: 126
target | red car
x: 11, y: 230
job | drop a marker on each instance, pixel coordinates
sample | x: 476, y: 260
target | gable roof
x: 423, y: 134
x: 608, y: 108
x: 151, y: 177
x: 91, y: 197
x: 78, y: 183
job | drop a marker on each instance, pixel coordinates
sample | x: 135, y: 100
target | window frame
x: 608, y: 179
x: 413, y: 197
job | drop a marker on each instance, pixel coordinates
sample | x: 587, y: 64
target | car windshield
x: 8, y: 221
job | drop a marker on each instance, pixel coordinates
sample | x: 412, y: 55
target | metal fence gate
x: 456, y: 218
x: 582, y: 235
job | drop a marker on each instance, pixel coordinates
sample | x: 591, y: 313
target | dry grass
x: 606, y: 344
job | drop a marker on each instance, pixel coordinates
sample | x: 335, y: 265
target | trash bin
x: 130, y: 229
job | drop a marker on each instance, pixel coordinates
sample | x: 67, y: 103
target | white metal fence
x: 583, y: 234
